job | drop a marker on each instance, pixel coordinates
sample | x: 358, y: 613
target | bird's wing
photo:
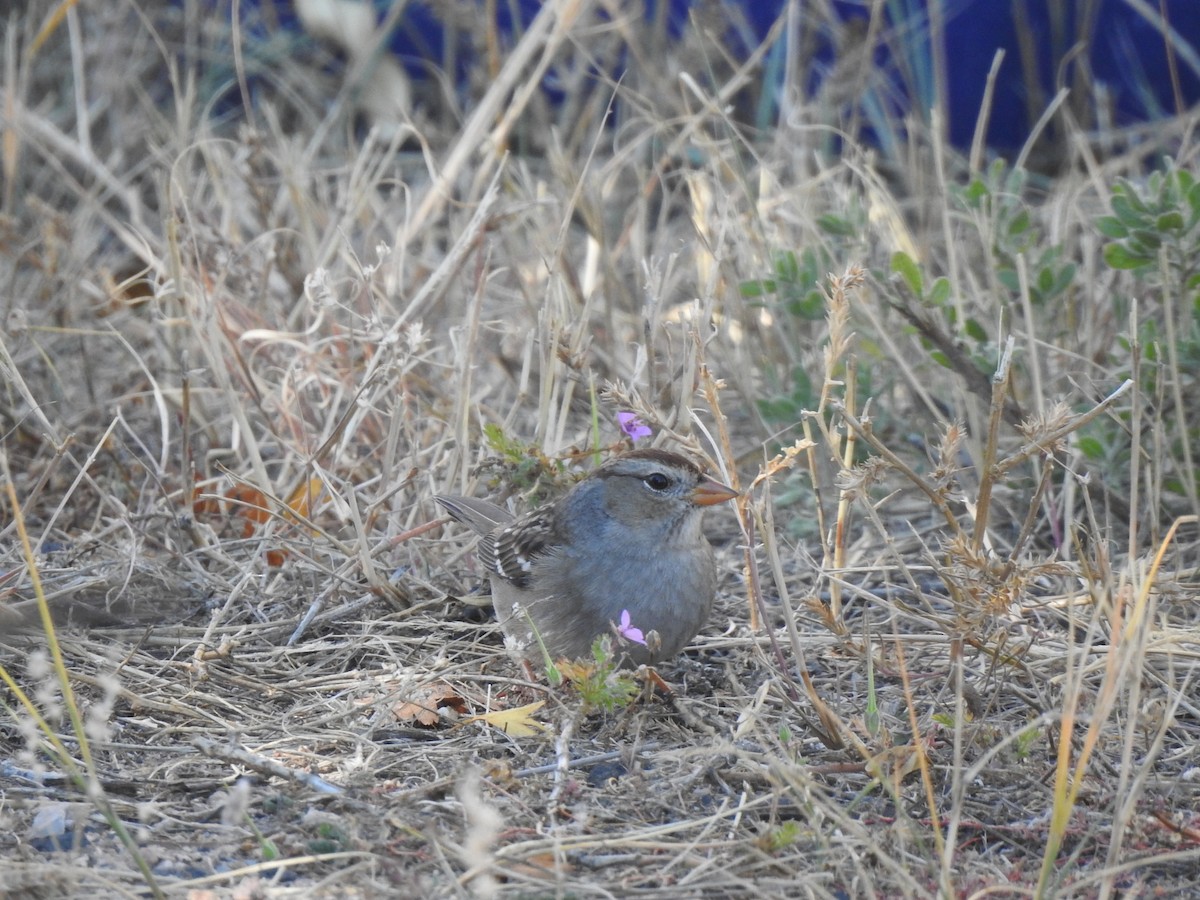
x: 481, y: 516
x: 509, y: 552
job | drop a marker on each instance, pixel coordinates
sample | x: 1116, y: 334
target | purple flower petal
x: 634, y: 427
x: 627, y: 631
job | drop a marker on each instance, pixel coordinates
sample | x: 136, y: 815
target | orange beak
x: 709, y: 492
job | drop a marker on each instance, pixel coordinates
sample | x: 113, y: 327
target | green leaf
x: 327, y: 831
x: 975, y: 331
x: 940, y: 292
x: 786, y: 267
x: 1065, y: 276
x: 813, y: 267
x: 1124, y: 211
x: 1111, y: 227
x: 782, y: 837
x: 1020, y: 224
x: 1193, y: 198
x: 903, y: 265
x: 810, y: 307
x: 1131, y: 195
x: 493, y: 434
x: 1118, y: 256
x: 1014, y: 183
x: 1175, y: 485
x: 1170, y: 221
x: 1025, y: 741
x: 975, y: 192
x: 1150, y: 240
x: 836, y: 225
x: 757, y: 288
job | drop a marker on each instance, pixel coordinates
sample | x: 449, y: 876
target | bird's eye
x: 657, y: 481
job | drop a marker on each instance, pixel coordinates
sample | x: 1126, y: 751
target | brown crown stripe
x: 665, y: 457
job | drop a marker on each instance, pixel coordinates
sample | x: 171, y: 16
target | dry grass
x: 246, y: 344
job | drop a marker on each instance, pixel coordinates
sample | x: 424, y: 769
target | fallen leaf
x: 423, y: 708
x: 575, y: 672
x: 518, y: 722
x: 543, y: 865
x: 250, y: 504
x: 305, y: 497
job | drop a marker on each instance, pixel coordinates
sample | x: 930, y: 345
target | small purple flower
x: 633, y: 426
x: 627, y: 631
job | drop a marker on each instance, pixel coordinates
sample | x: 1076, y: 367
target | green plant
x: 523, y: 465
x: 792, y: 292
x: 330, y: 838
x: 1155, y: 229
x: 1025, y: 742
x: 794, y: 282
x: 780, y: 837
x: 999, y: 221
x: 996, y: 233
x: 1154, y: 234
x: 600, y: 683
x: 994, y: 201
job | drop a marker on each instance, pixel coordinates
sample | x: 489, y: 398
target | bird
x: 622, y: 551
